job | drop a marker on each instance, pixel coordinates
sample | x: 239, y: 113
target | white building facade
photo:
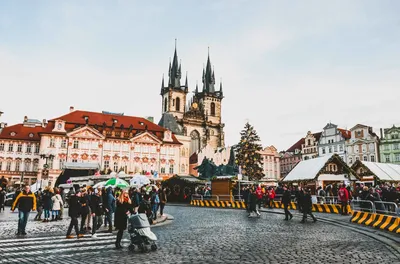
x: 271, y: 163
x: 363, y: 145
x: 333, y: 140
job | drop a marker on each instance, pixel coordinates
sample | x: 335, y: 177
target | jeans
x: 162, y: 205
x: 97, y: 222
x: 55, y: 213
x: 73, y: 224
x: 39, y: 213
x: 108, y: 220
x: 22, y: 221
x: 155, y: 209
x: 46, y: 214
x: 83, y: 221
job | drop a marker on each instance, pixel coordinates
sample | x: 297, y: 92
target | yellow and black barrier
x: 321, y: 208
x: 385, y: 222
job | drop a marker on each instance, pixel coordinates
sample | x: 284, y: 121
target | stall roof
x: 81, y: 166
x: 307, y: 169
x: 384, y: 171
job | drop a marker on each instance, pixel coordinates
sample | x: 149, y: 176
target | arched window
x: 195, y: 142
x: 178, y: 104
x: 213, y: 109
x: 165, y: 105
x: 115, y: 166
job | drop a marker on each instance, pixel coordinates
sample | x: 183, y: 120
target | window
x: 386, y: 147
x: 373, y: 158
x: 76, y: 144
x: 37, y: 148
x: 28, y: 165
x: 182, y: 168
x: 61, y: 164
x: 35, y: 165
x: 163, y: 170
x: 165, y: 105
x: 335, y: 148
x: 63, y: 143
x: 163, y: 150
x: 84, y: 145
x: 107, y: 146
x: 106, y: 164
x: 397, y: 157
x: 212, y: 109
x: 387, y: 158
x: 10, y: 147
x: 52, y: 143
x: 171, y: 168
x: 125, y: 147
x: 28, y: 148
x: 178, y: 104
x: 137, y: 148
x: 145, y: 149
x: 171, y: 151
x: 115, y: 166
x: 1, y: 146
x: 94, y: 145
x: 17, y: 165
x: 309, y: 142
x: 395, y: 146
x: 350, y: 160
x: 8, y: 165
x: 341, y: 148
x: 1, y: 165
x: 116, y: 147
x: 19, y: 148
x: 330, y: 149
x: 323, y: 151
x: 153, y: 149
x: 365, y: 158
x: 50, y: 163
x: 74, y: 160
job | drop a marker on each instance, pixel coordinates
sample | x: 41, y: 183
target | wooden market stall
x: 374, y: 173
x: 181, y: 187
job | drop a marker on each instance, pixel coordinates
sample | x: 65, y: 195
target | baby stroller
x: 140, y: 233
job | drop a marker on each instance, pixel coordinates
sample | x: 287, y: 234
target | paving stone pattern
x: 200, y: 235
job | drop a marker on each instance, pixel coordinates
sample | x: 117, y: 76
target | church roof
x: 168, y: 121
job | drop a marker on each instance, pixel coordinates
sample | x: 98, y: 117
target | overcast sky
x: 286, y: 66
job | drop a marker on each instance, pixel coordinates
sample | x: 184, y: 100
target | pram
x: 141, y: 234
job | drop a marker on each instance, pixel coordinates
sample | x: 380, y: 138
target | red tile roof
x: 297, y: 145
x: 98, y: 120
x: 317, y: 136
x: 21, y: 132
x: 345, y: 133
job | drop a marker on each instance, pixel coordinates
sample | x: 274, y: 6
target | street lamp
x: 45, y: 171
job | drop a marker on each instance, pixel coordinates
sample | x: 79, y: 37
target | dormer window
x: 115, y: 121
x: 31, y: 135
x: 13, y: 134
x: 141, y: 123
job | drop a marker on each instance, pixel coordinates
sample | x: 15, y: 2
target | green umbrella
x: 117, y: 182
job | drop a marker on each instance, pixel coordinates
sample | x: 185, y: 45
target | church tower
x: 174, y: 94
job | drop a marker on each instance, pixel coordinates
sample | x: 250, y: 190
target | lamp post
x: 45, y: 171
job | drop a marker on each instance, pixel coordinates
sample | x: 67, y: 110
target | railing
x: 363, y: 206
x: 389, y: 208
x: 328, y: 199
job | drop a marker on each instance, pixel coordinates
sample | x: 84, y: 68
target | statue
x: 206, y: 169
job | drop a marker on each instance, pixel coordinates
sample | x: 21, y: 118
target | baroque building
x: 309, y: 149
x: 290, y: 157
x: 333, y: 140
x: 115, y: 141
x: 271, y: 163
x: 390, y: 145
x: 363, y: 145
x: 198, y: 117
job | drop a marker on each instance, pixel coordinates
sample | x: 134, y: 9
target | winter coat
x: 121, y: 217
x: 307, y: 202
x: 96, y: 205
x: 84, y: 202
x: 110, y: 205
x: 2, y: 197
x: 57, y: 202
x: 259, y: 193
x: 271, y: 194
x: 343, y: 194
x: 163, y: 196
x: 253, y: 201
x: 74, y: 209
x: 46, y: 199
x: 135, y: 199
x: 286, y: 197
x: 25, y: 201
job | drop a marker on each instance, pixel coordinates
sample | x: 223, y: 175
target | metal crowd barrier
x: 363, y: 206
x: 388, y: 208
x: 328, y: 199
x: 212, y: 197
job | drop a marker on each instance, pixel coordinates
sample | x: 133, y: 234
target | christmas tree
x: 247, y: 153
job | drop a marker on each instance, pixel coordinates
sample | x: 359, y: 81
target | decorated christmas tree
x: 247, y: 153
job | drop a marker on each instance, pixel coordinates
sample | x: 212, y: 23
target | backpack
x: 342, y: 195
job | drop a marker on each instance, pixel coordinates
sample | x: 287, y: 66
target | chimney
x: 25, y: 119
x: 44, y: 124
x: 71, y: 109
x: 381, y: 133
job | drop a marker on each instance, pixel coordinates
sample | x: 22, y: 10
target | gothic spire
x: 162, y: 83
x: 197, y: 88
x: 208, y: 77
x: 186, y: 81
x: 175, y: 71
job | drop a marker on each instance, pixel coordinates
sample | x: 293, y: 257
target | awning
x: 384, y: 171
x: 81, y: 166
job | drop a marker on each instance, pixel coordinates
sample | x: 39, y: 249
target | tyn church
x: 198, y: 117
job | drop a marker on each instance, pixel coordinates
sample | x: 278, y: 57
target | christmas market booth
x: 181, y: 187
x: 321, y: 171
x: 375, y: 173
x: 76, y: 170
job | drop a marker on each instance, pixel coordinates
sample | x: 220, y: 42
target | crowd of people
x: 92, y: 207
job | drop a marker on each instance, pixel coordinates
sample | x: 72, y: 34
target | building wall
x: 332, y: 141
x: 363, y: 145
x: 271, y: 163
x: 309, y: 149
x: 390, y: 145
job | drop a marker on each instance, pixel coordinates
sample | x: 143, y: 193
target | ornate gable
x: 146, y: 137
x: 86, y: 132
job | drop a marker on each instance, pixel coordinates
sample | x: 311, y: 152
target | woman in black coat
x: 124, y: 207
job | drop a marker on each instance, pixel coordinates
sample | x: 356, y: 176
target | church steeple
x: 175, y: 71
x: 208, y: 77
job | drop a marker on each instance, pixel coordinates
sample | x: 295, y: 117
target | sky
x: 287, y: 67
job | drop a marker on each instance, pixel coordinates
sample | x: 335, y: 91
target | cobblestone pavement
x: 201, y: 235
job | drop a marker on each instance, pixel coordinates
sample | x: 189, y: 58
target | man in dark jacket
x: 307, y: 207
x: 286, y: 199
x: 2, y: 198
x: 109, y: 208
x: 39, y: 205
x: 85, y: 209
x: 26, y: 201
x: 96, y: 205
x: 74, y: 210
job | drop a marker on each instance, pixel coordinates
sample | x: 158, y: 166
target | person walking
x: 109, y: 208
x: 39, y: 205
x: 2, y: 198
x: 155, y: 201
x: 253, y: 199
x: 135, y: 198
x: 286, y: 199
x: 74, y: 209
x: 85, y: 209
x: 124, y: 207
x: 307, y: 207
x: 47, y: 204
x: 57, y: 205
x: 96, y: 204
x: 163, y: 199
x: 343, y: 195
x: 26, y: 202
